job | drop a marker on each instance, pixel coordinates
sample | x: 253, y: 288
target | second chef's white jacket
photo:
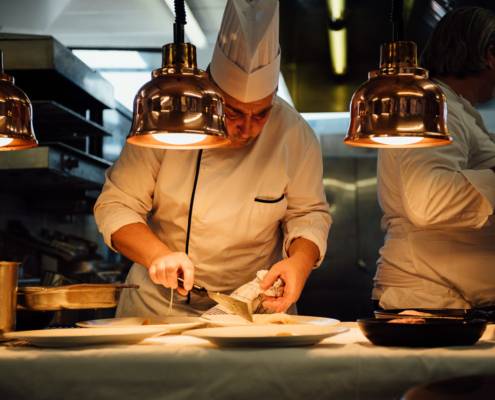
x: 438, y: 205
x: 249, y: 203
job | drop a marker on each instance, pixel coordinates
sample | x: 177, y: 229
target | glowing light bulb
x: 179, y: 138
x: 397, y: 141
x: 4, y: 141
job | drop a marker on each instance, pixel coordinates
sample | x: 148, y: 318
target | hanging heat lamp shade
x: 398, y: 106
x: 16, y: 124
x: 179, y: 108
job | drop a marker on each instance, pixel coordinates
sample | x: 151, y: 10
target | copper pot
x: 8, y: 295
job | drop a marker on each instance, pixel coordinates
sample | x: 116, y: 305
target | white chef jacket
x: 249, y: 203
x: 439, y: 249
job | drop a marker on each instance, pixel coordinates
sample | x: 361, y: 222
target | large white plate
x: 235, y: 320
x: 173, y: 324
x: 267, y: 335
x: 68, y: 337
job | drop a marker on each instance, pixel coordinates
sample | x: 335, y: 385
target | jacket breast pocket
x: 268, y: 211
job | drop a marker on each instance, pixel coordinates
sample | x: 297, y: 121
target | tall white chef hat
x: 246, y: 59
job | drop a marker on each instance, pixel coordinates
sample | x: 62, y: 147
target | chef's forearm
x: 138, y: 243
x: 306, y: 251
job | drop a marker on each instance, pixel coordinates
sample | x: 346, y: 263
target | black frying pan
x: 434, y: 332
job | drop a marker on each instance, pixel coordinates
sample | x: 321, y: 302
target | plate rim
x: 119, y: 337
x: 332, y: 321
x: 268, y: 340
x: 44, y: 333
x: 173, y: 326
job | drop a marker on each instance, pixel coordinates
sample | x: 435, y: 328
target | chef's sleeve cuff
x: 117, y: 220
x: 309, y: 235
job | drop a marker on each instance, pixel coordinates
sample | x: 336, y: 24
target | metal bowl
x: 70, y: 297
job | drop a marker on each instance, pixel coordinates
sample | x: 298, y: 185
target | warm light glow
x: 338, y: 50
x: 397, y: 140
x: 179, y: 138
x: 4, y: 141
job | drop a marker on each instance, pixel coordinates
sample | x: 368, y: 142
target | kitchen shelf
x: 52, y: 167
x: 53, y: 120
x: 41, y: 65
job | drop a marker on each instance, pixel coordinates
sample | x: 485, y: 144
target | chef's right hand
x: 164, y: 270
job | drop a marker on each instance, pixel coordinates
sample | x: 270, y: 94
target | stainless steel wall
x: 341, y: 287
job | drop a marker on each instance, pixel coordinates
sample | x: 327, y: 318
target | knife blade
x: 230, y: 304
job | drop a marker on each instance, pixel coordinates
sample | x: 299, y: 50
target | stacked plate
x: 109, y: 331
x: 70, y: 337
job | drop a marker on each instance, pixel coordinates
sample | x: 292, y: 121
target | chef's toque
x: 246, y: 59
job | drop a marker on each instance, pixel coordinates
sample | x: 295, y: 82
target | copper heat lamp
x: 179, y: 108
x: 398, y: 106
x: 16, y: 123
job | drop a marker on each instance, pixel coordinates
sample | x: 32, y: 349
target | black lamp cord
x: 397, y: 17
x: 191, y: 205
x: 180, y: 21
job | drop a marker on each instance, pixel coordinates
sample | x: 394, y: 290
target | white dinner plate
x: 68, y: 337
x: 174, y: 324
x: 267, y: 335
x: 235, y: 320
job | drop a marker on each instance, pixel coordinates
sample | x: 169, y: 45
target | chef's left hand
x: 294, y: 271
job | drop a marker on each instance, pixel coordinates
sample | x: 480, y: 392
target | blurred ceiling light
x: 336, y: 8
x: 338, y: 50
x: 193, y: 29
x: 111, y: 59
x: 398, y: 106
x: 337, y: 36
x: 16, y: 112
x: 324, y: 116
x: 438, y: 10
x: 180, y: 107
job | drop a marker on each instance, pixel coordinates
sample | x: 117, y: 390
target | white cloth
x: 246, y: 58
x: 252, y: 294
x: 250, y: 203
x: 438, y: 203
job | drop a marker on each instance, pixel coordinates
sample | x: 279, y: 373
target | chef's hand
x: 165, y: 269
x: 294, y: 275
x: 294, y: 271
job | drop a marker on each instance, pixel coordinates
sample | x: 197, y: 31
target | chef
x: 218, y: 216
x: 438, y: 203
